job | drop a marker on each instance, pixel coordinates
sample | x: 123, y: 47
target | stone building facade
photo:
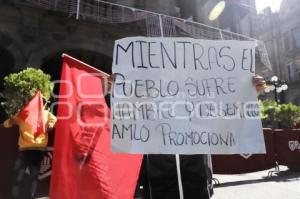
x: 30, y: 35
x: 36, y: 35
x: 281, y: 33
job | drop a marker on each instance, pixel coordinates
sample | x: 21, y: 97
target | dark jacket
x: 158, y: 176
x: 159, y: 179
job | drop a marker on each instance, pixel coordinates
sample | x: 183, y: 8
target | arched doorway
x: 52, y: 64
x: 7, y: 63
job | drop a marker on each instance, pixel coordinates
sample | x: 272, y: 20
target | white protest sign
x: 184, y: 96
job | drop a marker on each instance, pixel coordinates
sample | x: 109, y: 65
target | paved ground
x: 284, y: 185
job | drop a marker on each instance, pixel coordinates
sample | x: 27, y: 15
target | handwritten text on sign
x: 186, y: 96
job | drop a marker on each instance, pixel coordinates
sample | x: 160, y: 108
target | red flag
x: 83, y: 165
x: 32, y: 117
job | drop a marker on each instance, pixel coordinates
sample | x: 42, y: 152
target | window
x: 269, y: 47
x: 296, y: 37
x: 286, y: 41
x: 141, y: 4
x: 292, y: 72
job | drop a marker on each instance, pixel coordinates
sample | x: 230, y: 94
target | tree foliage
x: 20, y: 87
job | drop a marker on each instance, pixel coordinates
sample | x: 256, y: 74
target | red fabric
x: 83, y: 165
x: 32, y: 114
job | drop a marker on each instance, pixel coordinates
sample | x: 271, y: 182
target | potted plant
x: 267, y: 109
x: 20, y: 87
x: 288, y: 115
x: 287, y: 138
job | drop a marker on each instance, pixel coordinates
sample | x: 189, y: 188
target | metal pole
x: 221, y: 35
x: 275, y: 94
x: 103, y: 74
x: 148, y: 178
x: 180, y: 187
x: 55, y: 5
x: 161, y: 26
x: 77, y: 11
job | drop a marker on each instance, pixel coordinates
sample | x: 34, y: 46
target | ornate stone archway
x: 52, y: 64
x: 7, y: 62
x: 48, y: 49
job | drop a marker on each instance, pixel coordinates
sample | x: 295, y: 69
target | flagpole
x: 104, y: 74
x: 177, y: 158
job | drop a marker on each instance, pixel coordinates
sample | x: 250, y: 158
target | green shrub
x: 20, y: 87
x: 267, y: 109
x: 288, y: 115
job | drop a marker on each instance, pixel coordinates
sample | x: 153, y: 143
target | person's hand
x: 259, y: 83
x: 107, y: 83
x: 9, y: 122
x: 112, y: 78
x: 12, y: 121
x: 50, y: 126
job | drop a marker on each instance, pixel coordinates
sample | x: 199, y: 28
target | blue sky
x: 274, y: 4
